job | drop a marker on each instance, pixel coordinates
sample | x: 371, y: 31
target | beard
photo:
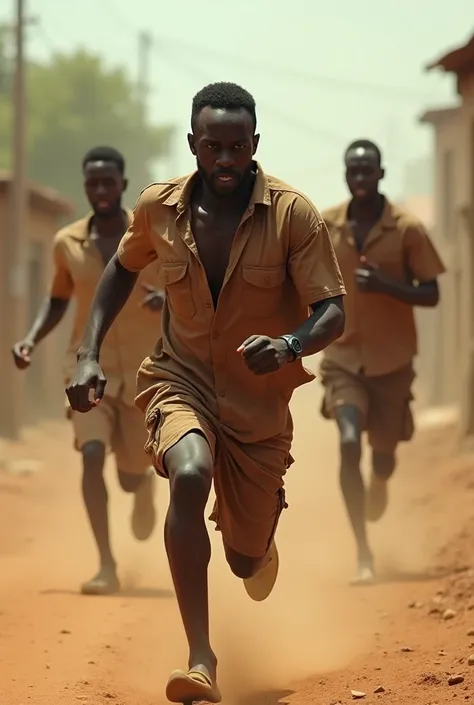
x: 243, y: 180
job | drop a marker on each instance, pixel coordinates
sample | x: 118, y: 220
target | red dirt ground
x: 314, y: 641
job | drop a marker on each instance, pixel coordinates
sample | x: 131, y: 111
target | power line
x: 293, y: 74
x: 291, y: 121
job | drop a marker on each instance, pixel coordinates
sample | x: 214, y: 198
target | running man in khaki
x: 389, y: 266
x: 252, y: 285
x: 80, y: 252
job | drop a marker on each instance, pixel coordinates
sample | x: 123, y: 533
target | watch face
x: 296, y: 345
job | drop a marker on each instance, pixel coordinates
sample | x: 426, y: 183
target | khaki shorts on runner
x: 384, y: 402
x: 119, y: 427
x: 248, y: 478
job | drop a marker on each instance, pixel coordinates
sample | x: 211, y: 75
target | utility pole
x: 16, y: 245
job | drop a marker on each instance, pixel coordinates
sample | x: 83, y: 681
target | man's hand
x: 22, y: 353
x: 87, y: 387
x: 370, y: 279
x: 263, y: 355
x: 154, y: 298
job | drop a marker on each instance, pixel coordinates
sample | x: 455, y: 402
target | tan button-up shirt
x: 380, y: 333
x: 78, y: 267
x: 281, y: 261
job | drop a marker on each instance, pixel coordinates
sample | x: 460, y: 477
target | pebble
x: 470, y: 632
x: 449, y: 614
x: 357, y: 694
x: 455, y: 680
x: 470, y: 660
x: 407, y: 650
x: 380, y: 689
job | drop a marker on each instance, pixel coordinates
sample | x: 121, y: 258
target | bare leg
x: 190, y: 467
x: 95, y: 499
x: 144, y: 512
x: 349, y: 421
x: 383, y: 465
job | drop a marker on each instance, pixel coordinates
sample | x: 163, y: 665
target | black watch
x: 294, y: 345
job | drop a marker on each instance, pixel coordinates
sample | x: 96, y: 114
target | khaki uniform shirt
x: 78, y: 267
x: 281, y: 261
x: 380, y: 333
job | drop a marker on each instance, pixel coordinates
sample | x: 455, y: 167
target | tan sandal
x: 191, y: 686
x: 260, y: 585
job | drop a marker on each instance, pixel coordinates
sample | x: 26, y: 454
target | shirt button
x: 222, y: 393
x: 215, y: 335
x: 208, y: 304
x: 267, y: 280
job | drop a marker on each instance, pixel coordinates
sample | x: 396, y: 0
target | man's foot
x: 260, y: 585
x: 144, y: 513
x: 365, y: 572
x: 105, y: 582
x: 195, y: 684
x: 376, y: 499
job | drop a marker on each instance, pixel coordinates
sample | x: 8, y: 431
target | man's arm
x: 134, y: 253
x: 315, y: 272
x: 323, y: 327
x: 370, y: 279
x: 51, y: 311
x: 423, y: 265
x: 111, y: 295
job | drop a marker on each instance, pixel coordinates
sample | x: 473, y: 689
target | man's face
x: 363, y: 173
x: 104, y: 186
x: 224, y: 144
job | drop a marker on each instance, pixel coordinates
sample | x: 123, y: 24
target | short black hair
x: 224, y: 95
x: 365, y: 144
x: 105, y: 154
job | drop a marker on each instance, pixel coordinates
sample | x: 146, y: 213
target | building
x: 38, y: 391
x: 453, y: 129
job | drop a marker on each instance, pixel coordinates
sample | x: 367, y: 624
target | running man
x: 245, y: 258
x: 389, y: 266
x: 81, y: 251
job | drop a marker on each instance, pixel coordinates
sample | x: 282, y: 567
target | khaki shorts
x: 384, y: 402
x: 119, y: 427
x: 248, y: 478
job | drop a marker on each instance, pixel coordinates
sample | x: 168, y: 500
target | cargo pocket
x: 262, y: 290
x: 178, y: 289
x: 153, y: 424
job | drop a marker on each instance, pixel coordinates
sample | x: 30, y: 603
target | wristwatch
x: 294, y: 345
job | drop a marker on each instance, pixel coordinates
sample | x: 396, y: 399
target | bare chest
x: 214, y: 237
x: 106, y: 246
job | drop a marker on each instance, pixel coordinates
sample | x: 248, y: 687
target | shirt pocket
x: 262, y: 290
x: 178, y: 289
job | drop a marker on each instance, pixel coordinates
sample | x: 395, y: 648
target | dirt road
x: 314, y: 641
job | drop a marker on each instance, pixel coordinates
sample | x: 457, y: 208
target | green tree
x: 75, y: 103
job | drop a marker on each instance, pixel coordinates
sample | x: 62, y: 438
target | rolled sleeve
x: 62, y: 285
x: 422, y: 258
x: 136, y: 250
x: 312, y: 262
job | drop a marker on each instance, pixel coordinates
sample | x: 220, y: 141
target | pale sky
x: 322, y: 74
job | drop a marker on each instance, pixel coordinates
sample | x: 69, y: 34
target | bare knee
x: 190, y: 486
x: 383, y: 464
x: 93, y: 457
x: 190, y: 467
x: 349, y: 421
